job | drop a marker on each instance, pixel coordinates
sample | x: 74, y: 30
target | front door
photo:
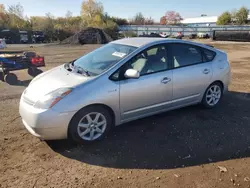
x: 191, y: 74
x: 152, y: 91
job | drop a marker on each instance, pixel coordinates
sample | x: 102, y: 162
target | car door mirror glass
x: 132, y: 73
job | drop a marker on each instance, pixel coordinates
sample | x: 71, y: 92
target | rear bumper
x: 45, y: 124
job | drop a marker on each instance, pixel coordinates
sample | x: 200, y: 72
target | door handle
x: 206, y: 71
x: 165, y: 80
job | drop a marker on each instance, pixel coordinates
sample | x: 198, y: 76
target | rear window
x: 209, y: 55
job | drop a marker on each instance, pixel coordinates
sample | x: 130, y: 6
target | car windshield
x: 103, y: 58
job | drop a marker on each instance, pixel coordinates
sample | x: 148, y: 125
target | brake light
x: 37, y: 60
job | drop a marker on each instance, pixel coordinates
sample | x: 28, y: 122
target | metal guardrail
x: 172, y: 30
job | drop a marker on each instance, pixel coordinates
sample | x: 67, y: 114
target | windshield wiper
x: 86, y: 72
x: 80, y: 70
x: 77, y: 69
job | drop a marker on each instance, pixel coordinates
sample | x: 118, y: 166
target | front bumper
x: 45, y: 124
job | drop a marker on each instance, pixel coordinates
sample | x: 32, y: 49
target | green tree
x: 38, y: 23
x: 241, y: 15
x: 92, y: 14
x: 15, y: 16
x: 91, y: 11
x: 119, y: 21
x: 2, y: 8
x: 3, y: 17
x: 224, y: 19
x: 75, y: 23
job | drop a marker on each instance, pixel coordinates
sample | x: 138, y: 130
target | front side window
x: 149, y: 61
x: 103, y: 58
x: 185, y: 54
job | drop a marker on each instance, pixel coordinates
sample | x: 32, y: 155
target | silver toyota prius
x: 120, y: 82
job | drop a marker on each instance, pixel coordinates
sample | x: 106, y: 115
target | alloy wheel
x: 92, y: 126
x: 213, y: 95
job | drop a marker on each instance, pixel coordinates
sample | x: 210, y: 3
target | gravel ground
x: 189, y: 148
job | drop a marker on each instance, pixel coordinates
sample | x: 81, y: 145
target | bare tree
x: 16, y: 10
x: 68, y: 14
x: 138, y: 19
x: 149, y: 21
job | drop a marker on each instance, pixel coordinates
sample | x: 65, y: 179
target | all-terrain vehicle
x: 18, y: 60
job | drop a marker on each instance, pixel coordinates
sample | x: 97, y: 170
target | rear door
x: 191, y: 73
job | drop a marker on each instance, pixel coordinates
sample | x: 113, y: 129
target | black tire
x: 33, y: 71
x: 38, y: 71
x: 1, y: 76
x: 73, y: 126
x: 204, y: 100
x: 10, y: 78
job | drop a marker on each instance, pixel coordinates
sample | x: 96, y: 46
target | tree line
x: 237, y: 17
x: 58, y: 28
x: 92, y: 15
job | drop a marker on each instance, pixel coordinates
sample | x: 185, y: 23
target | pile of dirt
x: 89, y: 35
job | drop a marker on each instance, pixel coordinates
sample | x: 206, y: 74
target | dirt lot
x: 182, y: 148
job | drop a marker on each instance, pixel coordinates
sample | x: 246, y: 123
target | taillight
x: 33, y: 60
x: 37, y: 60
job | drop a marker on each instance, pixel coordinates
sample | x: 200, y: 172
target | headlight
x: 50, y: 99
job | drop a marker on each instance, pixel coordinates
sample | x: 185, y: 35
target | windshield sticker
x: 119, y: 54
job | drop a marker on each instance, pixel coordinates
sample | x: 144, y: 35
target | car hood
x: 51, y: 80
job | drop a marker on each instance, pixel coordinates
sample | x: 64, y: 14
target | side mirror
x: 132, y: 73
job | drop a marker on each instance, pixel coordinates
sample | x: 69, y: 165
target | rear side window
x: 209, y: 55
x: 185, y: 55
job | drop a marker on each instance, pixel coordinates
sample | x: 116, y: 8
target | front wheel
x: 212, y: 95
x: 33, y: 71
x: 90, y: 124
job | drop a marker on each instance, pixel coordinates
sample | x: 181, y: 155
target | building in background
x: 202, y: 21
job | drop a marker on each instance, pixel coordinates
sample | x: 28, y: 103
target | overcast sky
x: 128, y: 8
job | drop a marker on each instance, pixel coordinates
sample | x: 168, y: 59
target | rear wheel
x: 10, y: 78
x: 90, y: 124
x: 212, y: 95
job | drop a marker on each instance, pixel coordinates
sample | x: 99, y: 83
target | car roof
x: 139, y: 41
x: 142, y: 41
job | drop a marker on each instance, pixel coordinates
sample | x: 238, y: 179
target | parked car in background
x: 2, y: 44
x: 14, y: 36
x: 38, y: 37
x: 155, y: 35
x: 193, y: 36
x: 179, y: 35
x: 23, y: 36
x: 120, y: 82
x: 203, y: 35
